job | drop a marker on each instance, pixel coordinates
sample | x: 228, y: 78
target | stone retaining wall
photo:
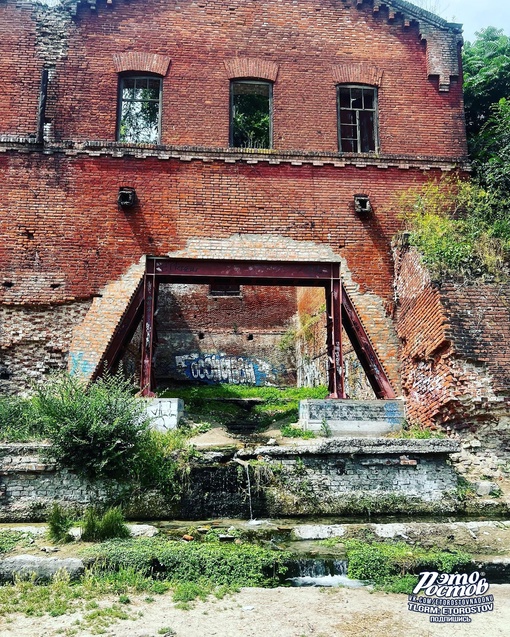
x: 337, y: 476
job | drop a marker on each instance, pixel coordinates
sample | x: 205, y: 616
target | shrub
x: 96, y: 527
x: 95, y: 429
x: 392, y: 565
x: 460, y: 228
x: 59, y: 524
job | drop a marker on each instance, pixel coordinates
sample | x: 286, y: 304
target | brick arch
x: 353, y: 73
x: 141, y: 61
x: 252, y: 67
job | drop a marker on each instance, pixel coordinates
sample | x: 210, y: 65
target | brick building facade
x: 242, y: 130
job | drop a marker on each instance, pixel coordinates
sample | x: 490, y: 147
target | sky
x: 474, y: 14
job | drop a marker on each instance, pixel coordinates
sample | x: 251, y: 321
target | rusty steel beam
x: 123, y: 333
x: 149, y: 307
x: 364, y: 350
x: 247, y: 272
x: 334, y: 337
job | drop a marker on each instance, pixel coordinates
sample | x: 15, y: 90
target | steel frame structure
x: 339, y: 309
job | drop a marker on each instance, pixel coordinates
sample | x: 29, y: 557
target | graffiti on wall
x: 220, y: 368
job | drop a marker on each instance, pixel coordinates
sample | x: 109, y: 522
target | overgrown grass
x: 20, y: 420
x: 97, y: 527
x: 222, y: 564
x: 60, y: 522
x: 210, y: 403
x: 393, y: 566
x: 416, y: 431
x: 288, y: 431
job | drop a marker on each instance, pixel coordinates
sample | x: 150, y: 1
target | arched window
x: 357, y: 119
x: 251, y: 105
x: 139, y: 115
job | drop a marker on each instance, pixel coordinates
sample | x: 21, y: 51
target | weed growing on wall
x: 19, y: 420
x: 96, y: 429
x: 459, y: 227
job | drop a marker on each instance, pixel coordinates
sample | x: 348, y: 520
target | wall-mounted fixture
x: 362, y: 204
x: 126, y: 197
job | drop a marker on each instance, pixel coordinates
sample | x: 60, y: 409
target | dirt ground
x: 280, y: 612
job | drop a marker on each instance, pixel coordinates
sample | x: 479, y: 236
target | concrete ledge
x: 358, y: 446
x: 352, y: 417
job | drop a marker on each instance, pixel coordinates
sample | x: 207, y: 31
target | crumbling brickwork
x: 65, y: 239
x: 455, y: 352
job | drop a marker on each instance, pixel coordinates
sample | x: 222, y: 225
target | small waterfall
x: 246, y: 466
x: 319, y: 572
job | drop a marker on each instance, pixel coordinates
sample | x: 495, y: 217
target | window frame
x: 220, y: 289
x: 138, y: 75
x: 374, y: 110
x: 270, y: 85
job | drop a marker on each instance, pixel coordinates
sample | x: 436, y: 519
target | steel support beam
x: 254, y: 272
x: 364, y: 350
x: 149, y: 308
x: 339, y: 309
x: 123, y: 333
x: 334, y: 337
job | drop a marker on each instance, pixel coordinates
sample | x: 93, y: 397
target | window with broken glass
x: 357, y: 114
x: 139, y: 109
x: 251, y: 114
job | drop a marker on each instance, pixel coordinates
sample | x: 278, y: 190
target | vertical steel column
x: 149, y: 306
x: 334, y: 338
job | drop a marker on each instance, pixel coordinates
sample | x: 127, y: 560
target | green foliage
x: 486, y: 64
x: 222, y: 564
x: 9, y: 540
x: 414, y: 430
x: 251, y: 118
x: 96, y: 527
x: 459, y: 228
x: 490, y: 150
x: 96, y: 429
x: 289, y: 431
x: 392, y: 565
x: 59, y: 524
x: 215, y: 404
x: 19, y: 420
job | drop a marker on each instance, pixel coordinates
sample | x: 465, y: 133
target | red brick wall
x: 306, y: 39
x: 20, y: 71
x: 65, y: 238
x: 70, y: 233
x: 455, y: 348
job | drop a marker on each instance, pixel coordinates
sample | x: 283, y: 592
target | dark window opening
x: 225, y: 289
x: 139, y: 109
x: 251, y: 114
x: 357, y: 114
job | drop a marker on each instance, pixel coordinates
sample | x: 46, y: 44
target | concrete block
x: 165, y: 413
x: 352, y: 417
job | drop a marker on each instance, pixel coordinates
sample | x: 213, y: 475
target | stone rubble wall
x: 340, y: 476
